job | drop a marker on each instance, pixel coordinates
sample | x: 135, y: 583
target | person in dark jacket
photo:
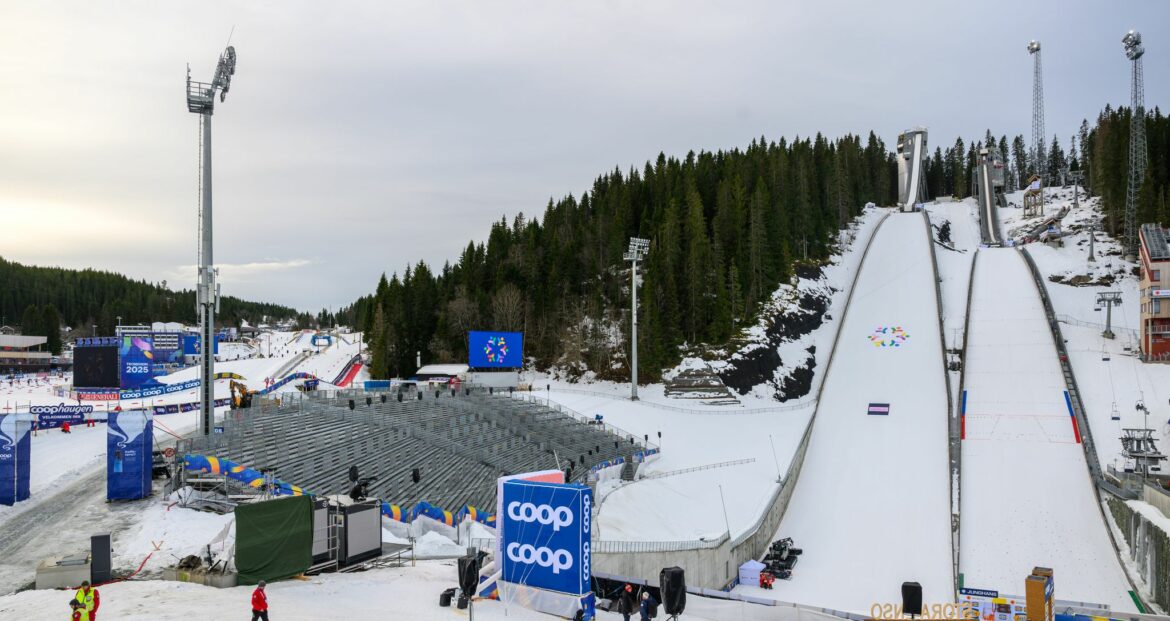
x: 649, y: 607
x: 627, y: 602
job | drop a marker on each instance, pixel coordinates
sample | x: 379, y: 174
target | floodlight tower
x: 1137, y: 139
x: 1037, y: 112
x: 639, y: 247
x: 201, y: 101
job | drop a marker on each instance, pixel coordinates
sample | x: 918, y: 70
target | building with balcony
x: 1154, y: 291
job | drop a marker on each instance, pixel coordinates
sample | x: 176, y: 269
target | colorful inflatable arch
x: 253, y: 478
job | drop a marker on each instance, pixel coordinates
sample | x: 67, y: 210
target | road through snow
x: 871, y: 506
x: 1027, y: 496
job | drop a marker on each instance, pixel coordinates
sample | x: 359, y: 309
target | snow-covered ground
x: 687, y: 506
x: 1123, y: 381
x: 1027, y: 498
x: 407, y: 593
x: 871, y: 508
x: 68, y: 469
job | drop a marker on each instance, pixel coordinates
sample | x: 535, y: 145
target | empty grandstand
x: 460, y: 442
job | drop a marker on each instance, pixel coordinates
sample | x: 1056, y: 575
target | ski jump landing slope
x: 1027, y: 498
x: 871, y: 508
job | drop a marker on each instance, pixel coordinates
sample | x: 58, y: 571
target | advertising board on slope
x: 15, y: 447
x: 52, y: 416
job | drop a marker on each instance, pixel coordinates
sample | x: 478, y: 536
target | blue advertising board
x: 503, y: 350
x: 191, y: 345
x: 135, y: 357
x: 15, y: 449
x: 129, y: 447
x: 545, y: 530
x: 52, y: 416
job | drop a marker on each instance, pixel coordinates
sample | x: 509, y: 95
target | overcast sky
x: 358, y: 137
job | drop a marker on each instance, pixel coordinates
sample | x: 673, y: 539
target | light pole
x: 637, y: 251
x: 201, y: 101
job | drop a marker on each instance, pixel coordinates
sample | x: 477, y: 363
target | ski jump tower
x: 911, y: 180
x: 201, y: 101
x: 1037, y: 110
x: 989, y: 182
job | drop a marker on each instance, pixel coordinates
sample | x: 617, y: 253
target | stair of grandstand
x: 461, y: 444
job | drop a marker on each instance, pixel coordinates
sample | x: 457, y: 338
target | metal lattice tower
x: 1137, y: 139
x: 1037, y: 108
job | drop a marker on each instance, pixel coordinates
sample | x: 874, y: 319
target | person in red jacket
x: 259, y: 603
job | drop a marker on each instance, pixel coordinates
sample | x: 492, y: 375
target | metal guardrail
x: 951, y: 445
x: 1073, y: 321
x: 722, y: 464
x: 796, y: 404
x: 602, y: 546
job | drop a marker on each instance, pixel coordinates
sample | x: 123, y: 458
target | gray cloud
x: 359, y: 137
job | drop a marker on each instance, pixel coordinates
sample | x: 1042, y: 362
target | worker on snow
x: 65, y: 427
x: 649, y: 607
x: 78, y: 613
x: 89, y: 599
x: 627, y: 602
x: 259, y: 603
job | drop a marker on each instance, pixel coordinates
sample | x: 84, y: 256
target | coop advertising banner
x: 545, y: 535
x: 15, y: 447
x: 495, y: 349
x: 129, y: 447
x: 52, y: 416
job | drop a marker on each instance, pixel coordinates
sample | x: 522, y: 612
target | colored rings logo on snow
x: 524, y: 553
x: 888, y: 336
x: 528, y: 512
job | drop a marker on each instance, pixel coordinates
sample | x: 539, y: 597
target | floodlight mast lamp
x: 201, y: 101
x: 1038, y: 115
x: 639, y: 247
x: 1137, y: 140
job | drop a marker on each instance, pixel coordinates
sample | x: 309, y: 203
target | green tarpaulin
x: 274, y: 539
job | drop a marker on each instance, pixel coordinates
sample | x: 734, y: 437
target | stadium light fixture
x: 639, y: 248
x: 201, y: 101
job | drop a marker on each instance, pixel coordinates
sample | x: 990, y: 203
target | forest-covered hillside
x: 35, y: 298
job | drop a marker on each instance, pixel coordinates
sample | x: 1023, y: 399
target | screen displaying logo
x: 545, y: 529
x: 135, y: 355
x: 495, y: 349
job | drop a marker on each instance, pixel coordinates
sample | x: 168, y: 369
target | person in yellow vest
x: 89, y: 599
x: 78, y: 613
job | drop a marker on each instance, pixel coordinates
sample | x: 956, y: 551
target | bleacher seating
x: 460, y: 442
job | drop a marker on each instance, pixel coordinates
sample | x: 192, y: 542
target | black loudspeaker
x: 416, y: 475
x: 369, y: 401
x: 400, y: 397
x: 351, y: 404
x: 911, y: 598
x: 491, y: 391
x: 468, y: 574
x: 101, y: 568
x: 466, y: 392
x: 420, y: 395
x: 673, y: 583
x: 437, y: 393
x: 383, y: 398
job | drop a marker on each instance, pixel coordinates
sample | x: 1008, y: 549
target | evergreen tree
x: 51, y: 328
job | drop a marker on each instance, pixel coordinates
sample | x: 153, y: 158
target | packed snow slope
x: 871, y: 507
x: 1027, y: 498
